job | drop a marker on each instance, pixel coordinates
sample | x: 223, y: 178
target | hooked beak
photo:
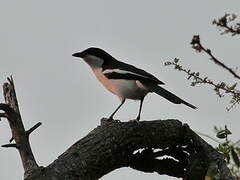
x: 78, y: 54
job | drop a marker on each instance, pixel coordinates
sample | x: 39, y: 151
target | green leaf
x: 221, y: 134
x: 176, y: 60
x: 193, y: 83
x: 227, y: 131
x: 167, y: 63
x: 221, y: 148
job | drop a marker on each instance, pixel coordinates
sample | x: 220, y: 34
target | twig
x: 223, y: 23
x: 11, y: 145
x: 11, y: 139
x: 199, y: 79
x: 228, y: 89
x: 28, y: 132
x: 196, y: 44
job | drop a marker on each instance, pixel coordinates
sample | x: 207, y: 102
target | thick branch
x: 12, y: 113
x: 113, y: 145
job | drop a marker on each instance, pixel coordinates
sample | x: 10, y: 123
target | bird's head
x: 95, y: 57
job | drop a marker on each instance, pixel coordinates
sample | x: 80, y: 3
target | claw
x: 113, y: 120
x: 109, y: 120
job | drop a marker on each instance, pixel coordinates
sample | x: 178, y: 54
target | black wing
x: 120, y: 70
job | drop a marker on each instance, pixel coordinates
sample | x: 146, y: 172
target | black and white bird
x: 124, y: 80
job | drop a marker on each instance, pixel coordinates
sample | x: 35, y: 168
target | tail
x: 168, y: 95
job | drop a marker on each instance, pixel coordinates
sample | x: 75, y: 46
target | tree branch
x: 12, y: 113
x: 139, y: 146
x: 196, y: 44
x: 142, y: 146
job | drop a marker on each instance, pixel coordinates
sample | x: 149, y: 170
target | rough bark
x: 19, y: 134
x: 142, y: 146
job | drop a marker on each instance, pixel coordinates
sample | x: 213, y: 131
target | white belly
x: 130, y: 89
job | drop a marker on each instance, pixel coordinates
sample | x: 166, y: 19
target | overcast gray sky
x: 37, y: 39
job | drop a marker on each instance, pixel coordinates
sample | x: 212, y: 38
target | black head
x: 93, y: 51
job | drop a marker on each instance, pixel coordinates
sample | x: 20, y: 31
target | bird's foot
x: 109, y: 120
x: 116, y: 120
x: 134, y: 121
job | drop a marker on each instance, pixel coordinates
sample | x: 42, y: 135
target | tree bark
x: 163, y: 146
x: 19, y: 134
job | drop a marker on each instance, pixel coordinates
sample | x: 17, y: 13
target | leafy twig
x: 220, y: 88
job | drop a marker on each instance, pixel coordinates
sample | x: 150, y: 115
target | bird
x: 125, y: 80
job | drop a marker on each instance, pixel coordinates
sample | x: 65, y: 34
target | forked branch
x: 19, y: 135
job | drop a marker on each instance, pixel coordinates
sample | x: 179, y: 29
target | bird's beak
x: 78, y: 54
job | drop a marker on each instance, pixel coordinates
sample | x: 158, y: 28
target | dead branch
x: 21, y: 137
x: 141, y: 146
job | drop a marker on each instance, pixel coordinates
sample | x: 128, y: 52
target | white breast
x: 130, y: 89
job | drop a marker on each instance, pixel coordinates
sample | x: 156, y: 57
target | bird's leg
x: 123, y: 101
x: 140, y: 109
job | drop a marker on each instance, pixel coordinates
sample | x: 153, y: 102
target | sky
x: 37, y: 39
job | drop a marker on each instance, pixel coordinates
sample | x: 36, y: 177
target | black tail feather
x: 168, y: 95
